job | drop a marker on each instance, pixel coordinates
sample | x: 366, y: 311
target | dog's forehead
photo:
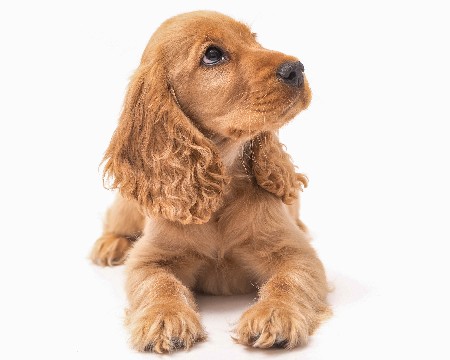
x: 211, y: 26
x: 186, y: 29
x: 224, y: 27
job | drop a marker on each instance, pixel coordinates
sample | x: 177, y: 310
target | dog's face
x: 224, y: 80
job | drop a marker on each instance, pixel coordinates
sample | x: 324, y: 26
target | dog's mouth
x: 290, y: 104
x: 283, y: 108
x: 296, y: 103
x: 269, y: 115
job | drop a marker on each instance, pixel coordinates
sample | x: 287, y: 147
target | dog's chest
x: 223, y: 271
x: 232, y: 225
x: 219, y: 239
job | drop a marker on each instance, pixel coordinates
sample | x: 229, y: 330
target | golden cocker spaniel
x: 207, y: 193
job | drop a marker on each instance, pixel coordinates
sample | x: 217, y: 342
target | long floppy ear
x: 157, y: 157
x: 273, y: 168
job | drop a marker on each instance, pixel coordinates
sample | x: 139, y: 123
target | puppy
x: 208, y: 190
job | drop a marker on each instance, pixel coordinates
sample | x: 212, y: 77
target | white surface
x: 375, y: 144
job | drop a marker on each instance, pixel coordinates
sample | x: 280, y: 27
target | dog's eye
x: 213, y: 55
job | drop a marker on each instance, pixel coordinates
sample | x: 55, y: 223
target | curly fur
x: 181, y: 180
x: 273, y: 168
x: 209, y: 192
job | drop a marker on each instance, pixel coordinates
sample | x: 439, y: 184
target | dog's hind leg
x: 123, y: 225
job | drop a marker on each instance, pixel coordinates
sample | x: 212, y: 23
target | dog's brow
x: 255, y: 35
x: 214, y: 40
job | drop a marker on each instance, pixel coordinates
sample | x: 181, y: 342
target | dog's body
x: 208, y: 189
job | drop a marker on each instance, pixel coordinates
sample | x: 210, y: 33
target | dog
x: 208, y: 197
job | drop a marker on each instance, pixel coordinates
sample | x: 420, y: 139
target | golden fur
x: 209, y: 190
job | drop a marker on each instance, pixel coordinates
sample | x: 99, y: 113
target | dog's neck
x: 235, y: 157
x: 230, y: 150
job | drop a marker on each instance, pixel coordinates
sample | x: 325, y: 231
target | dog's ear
x: 157, y: 157
x: 273, y: 168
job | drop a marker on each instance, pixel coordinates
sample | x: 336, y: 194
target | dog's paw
x: 165, y: 327
x: 269, y: 324
x: 110, y: 250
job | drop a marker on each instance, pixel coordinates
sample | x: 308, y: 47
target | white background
x: 374, y: 143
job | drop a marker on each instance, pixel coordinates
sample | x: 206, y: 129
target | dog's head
x: 201, y: 73
x: 223, y: 79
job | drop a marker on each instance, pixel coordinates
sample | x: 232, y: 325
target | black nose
x: 291, y: 73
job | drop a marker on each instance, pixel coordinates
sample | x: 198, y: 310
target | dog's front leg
x: 162, y: 314
x: 292, y: 299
